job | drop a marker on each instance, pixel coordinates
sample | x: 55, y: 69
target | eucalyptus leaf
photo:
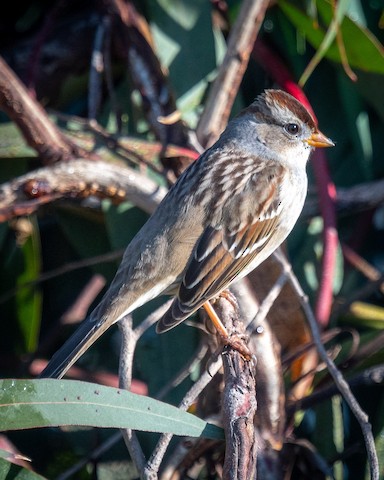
x: 40, y: 403
x: 184, y: 40
x: 362, y: 48
x: 366, y: 314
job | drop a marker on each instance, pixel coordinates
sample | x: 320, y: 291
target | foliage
x: 345, y: 88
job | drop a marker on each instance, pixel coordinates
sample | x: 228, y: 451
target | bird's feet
x: 235, y: 341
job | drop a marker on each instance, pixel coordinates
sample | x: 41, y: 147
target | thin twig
x: 364, y: 267
x: 94, y: 455
x: 147, y: 73
x: 338, y: 378
x: 129, y: 340
x: 358, y: 198
x: 155, y: 460
x: 62, y: 270
x: 152, y: 318
x: 185, y: 371
x: 268, y: 302
x: 371, y: 377
x: 119, y: 149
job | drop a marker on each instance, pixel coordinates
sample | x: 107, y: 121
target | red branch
x: 275, y: 67
x: 327, y: 199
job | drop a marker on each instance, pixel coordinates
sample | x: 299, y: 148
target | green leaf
x: 29, y: 298
x: 365, y: 314
x: 48, y: 402
x: 175, y: 27
x: 12, y: 143
x: 363, y: 50
x: 123, y: 222
x: 79, y: 225
x: 10, y: 471
x: 334, y: 26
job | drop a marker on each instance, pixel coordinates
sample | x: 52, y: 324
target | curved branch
x: 226, y: 85
x: 340, y: 382
x: 78, y: 179
x: 38, y: 130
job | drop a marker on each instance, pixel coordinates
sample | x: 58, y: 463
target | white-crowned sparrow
x: 224, y: 216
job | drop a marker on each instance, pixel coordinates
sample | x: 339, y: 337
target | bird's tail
x: 86, y: 334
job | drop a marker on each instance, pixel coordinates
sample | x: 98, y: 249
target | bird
x: 226, y: 214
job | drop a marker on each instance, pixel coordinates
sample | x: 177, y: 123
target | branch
x: 338, y: 378
x: 129, y: 340
x: 146, y: 72
x: 238, y: 403
x: 359, y: 198
x: 327, y: 198
x: 158, y: 453
x: 370, y: 377
x: 38, y: 130
x: 226, y: 85
x: 78, y: 179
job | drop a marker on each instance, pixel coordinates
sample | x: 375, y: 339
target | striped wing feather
x: 218, y: 258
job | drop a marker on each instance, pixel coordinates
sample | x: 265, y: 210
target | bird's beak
x: 317, y: 139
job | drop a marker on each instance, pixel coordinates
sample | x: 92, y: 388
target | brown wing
x: 218, y: 258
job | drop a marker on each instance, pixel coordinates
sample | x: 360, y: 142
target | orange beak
x: 317, y: 139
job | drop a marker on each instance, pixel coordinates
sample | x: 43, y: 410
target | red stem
x: 276, y: 68
x: 327, y: 198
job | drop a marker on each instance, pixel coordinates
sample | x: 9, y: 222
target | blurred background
x: 105, y: 72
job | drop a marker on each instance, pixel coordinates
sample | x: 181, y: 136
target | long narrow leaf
x: 11, y: 471
x: 362, y: 48
x: 47, y: 402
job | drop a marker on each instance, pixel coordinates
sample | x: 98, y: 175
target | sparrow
x: 229, y: 211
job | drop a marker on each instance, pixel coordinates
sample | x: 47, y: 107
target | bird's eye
x: 292, y: 128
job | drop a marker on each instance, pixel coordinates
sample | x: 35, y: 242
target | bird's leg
x: 233, y: 341
x: 222, y: 331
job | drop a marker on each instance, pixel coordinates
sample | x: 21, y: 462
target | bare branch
x: 39, y: 131
x: 226, y: 85
x: 147, y: 73
x: 238, y: 403
x: 128, y: 344
x: 78, y: 179
x: 338, y: 378
x: 357, y: 198
x: 155, y: 460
